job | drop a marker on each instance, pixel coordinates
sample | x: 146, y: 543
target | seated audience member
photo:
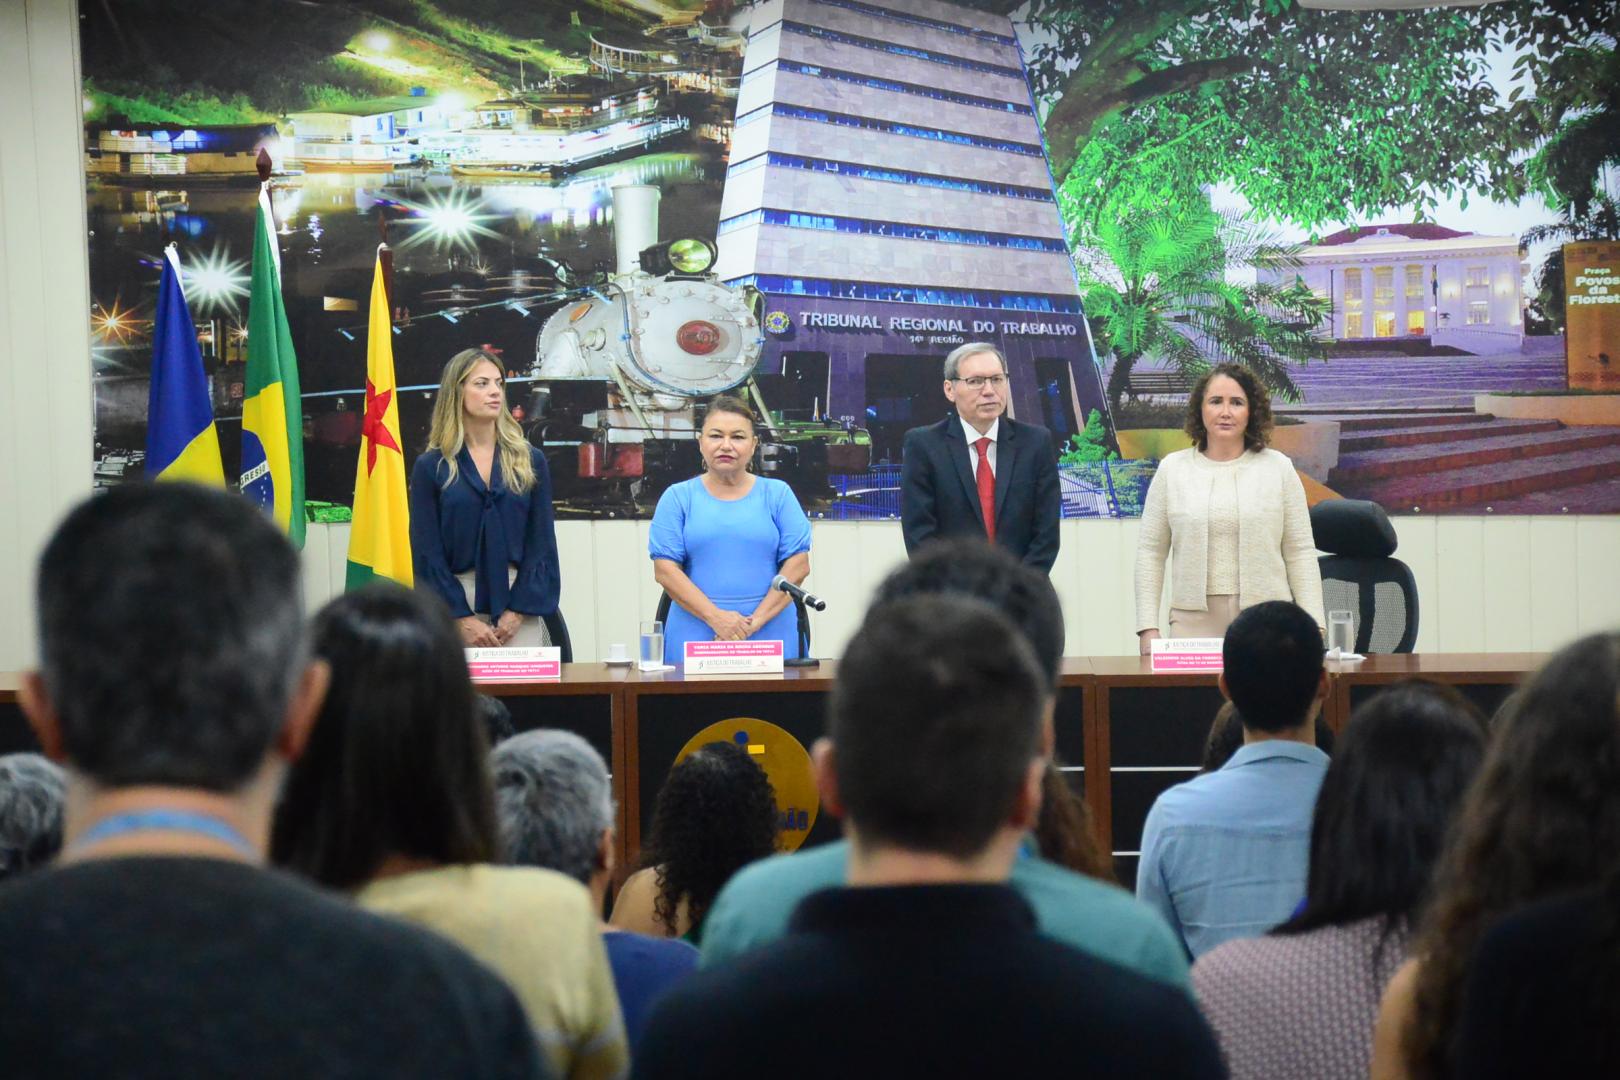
x: 392, y: 801
x: 1542, y: 996
x: 496, y: 718
x: 927, y: 963
x: 1301, y: 1001
x: 1541, y: 820
x: 1101, y: 919
x: 554, y: 805
x: 1225, y: 738
x: 31, y: 795
x: 174, y: 680
x: 715, y: 814
x: 1064, y: 833
x: 1224, y: 855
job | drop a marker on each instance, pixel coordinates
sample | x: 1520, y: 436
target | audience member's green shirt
x: 1103, y: 920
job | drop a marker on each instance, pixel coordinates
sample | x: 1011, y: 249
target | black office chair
x: 1360, y: 575
x: 557, y: 628
x: 662, y: 615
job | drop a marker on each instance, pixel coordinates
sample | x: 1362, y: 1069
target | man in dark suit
x: 927, y: 963
x: 979, y: 473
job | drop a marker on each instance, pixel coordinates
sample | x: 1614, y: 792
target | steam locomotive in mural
x: 620, y: 374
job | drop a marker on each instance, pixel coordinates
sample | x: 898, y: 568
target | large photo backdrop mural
x: 1405, y: 221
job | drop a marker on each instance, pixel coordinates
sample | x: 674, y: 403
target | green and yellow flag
x: 380, y: 538
x: 272, y: 410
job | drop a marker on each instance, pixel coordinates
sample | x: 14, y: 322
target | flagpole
x: 386, y: 255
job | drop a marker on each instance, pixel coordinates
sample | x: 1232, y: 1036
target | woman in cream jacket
x: 1232, y: 514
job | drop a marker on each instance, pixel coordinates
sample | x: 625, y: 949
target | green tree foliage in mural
x: 1154, y: 266
x: 1569, y: 166
x: 1090, y: 445
x: 1313, y: 116
x: 1598, y: 220
x: 239, y: 61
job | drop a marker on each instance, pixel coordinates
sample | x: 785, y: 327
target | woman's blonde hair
x: 448, y: 432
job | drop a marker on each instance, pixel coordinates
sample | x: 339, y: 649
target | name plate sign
x: 1187, y: 654
x: 734, y: 657
x: 514, y: 664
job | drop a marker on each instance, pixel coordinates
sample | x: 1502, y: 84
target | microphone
x: 782, y: 584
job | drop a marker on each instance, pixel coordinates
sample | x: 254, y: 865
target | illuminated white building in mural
x: 1419, y: 281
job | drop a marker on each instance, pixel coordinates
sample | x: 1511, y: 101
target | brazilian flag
x: 272, y: 410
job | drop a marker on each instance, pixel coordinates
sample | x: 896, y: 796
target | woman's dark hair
x: 1542, y: 818
x: 1257, y: 435
x: 398, y: 761
x: 1386, y: 804
x: 715, y: 814
x: 1064, y: 832
x: 732, y: 405
x: 1225, y: 738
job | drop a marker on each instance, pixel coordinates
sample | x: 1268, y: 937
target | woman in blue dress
x: 482, y: 532
x: 719, y: 538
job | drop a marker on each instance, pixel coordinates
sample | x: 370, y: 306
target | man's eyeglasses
x: 979, y: 382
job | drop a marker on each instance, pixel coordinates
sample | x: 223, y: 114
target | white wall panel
x: 1553, y: 581
x: 620, y: 567
x: 45, y: 405
x: 1459, y: 610
x: 1506, y: 597
x: 1416, y: 548
x: 1597, y: 561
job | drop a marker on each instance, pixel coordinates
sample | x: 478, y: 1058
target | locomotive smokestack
x: 635, y: 223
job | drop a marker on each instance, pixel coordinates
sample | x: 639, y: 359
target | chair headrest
x: 1353, y: 527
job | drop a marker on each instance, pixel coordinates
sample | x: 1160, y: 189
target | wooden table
x: 1124, y: 734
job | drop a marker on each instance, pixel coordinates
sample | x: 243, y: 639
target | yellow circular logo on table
x: 786, y: 763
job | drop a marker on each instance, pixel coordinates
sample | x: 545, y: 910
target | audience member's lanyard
x: 166, y: 821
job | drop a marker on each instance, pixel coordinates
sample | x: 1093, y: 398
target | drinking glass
x: 652, y: 645
x: 1342, y: 632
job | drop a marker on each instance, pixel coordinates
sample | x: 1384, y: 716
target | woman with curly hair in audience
x: 715, y: 814
x: 1387, y: 801
x: 393, y: 802
x: 1541, y: 820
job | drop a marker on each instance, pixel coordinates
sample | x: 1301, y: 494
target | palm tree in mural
x: 1154, y: 274
x: 1600, y: 220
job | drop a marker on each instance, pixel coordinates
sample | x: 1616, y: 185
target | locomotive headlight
x: 689, y: 257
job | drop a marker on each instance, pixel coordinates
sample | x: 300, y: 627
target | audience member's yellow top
x: 536, y: 929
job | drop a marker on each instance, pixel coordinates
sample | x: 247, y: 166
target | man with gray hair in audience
x: 554, y: 806
x: 32, y: 791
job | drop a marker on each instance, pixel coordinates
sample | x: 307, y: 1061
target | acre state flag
x: 380, y: 538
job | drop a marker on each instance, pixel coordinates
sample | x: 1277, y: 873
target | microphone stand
x: 804, y: 659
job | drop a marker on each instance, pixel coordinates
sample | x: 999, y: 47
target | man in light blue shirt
x: 1225, y: 856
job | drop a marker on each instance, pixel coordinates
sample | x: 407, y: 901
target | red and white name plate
x: 733, y: 657
x: 1187, y: 654
x: 514, y: 665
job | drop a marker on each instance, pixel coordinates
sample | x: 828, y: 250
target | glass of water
x: 1341, y: 632
x: 652, y: 645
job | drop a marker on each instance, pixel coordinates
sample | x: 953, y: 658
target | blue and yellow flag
x: 380, y: 537
x: 181, y: 442
x: 272, y: 410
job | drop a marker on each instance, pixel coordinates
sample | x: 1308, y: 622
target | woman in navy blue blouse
x: 482, y: 531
